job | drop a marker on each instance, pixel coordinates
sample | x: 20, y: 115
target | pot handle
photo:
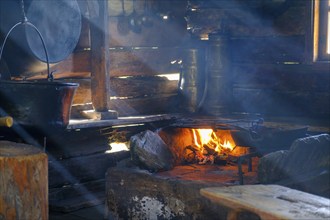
x: 26, y: 22
x: 6, y: 121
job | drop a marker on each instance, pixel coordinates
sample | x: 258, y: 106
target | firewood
x: 149, y: 151
x: 23, y: 182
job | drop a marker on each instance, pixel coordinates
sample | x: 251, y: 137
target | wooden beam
x: 100, y: 75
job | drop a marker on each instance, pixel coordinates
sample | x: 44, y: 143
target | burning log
x: 207, y: 155
x: 190, y: 153
x: 199, y: 146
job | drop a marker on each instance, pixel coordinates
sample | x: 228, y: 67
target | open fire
x: 208, y: 146
x: 173, y: 146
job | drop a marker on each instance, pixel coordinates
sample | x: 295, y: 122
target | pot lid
x: 59, y: 23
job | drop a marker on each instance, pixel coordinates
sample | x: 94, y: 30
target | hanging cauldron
x: 59, y: 22
x: 37, y: 103
x: 41, y: 104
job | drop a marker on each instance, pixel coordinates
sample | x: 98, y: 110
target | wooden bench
x: 269, y: 202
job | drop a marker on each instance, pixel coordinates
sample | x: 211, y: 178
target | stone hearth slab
x: 132, y: 193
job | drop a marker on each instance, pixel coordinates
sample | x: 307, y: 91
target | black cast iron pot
x: 40, y: 104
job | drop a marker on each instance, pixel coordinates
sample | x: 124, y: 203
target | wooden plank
x: 247, y: 19
x: 144, y: 61
x: 268, y: 49
x: 131, y: 87
x: 122, y: 62
x: 77, y: 62
x: 271, y: 102
x: 74, y: 143
x: 82, y: 169
x: 142, y: 86
x: 302, y: 77
x: 100, y: 74
x: 67, y: 205
x: 74, y: 197
x: 270, y: 201
x: 121, y: 121
x: 162, y: 104
x: 156, y: 104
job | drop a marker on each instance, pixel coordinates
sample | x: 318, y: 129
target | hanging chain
x: 24, y: 18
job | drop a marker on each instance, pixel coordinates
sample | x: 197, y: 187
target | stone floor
x: 90, y: 213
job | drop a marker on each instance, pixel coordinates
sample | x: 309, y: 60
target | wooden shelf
x: 121, y: 121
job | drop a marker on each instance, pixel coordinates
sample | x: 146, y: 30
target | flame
x: 207, y: 137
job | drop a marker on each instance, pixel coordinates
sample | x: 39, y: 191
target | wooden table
x: 269, y: 202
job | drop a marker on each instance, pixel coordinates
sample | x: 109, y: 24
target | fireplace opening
x: 202, y: 149
x: 209, y: 147
x: 169, y: 165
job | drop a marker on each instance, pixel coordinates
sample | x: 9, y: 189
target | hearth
x: 169, y: 165
x: 214, y: 141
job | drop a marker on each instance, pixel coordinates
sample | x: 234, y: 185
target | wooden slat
x: 78, y: 196
x: 302, y: 77
x: 282, y: 103
x: 78, y: 61
x: 144, y: 61
x: 270, y: 201
x: 132, y: 87
x: 68, y: 143
x: 82, y: 169
x: 246, y: 19
x: 142, y: 86
x: 123, y: 62
x: 268, y: 49
x: 121, y: 121
x: 158, y: 104
x: 144, y: 106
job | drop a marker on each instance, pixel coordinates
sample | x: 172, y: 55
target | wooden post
x: 100, y: 74
x: 23, y: 182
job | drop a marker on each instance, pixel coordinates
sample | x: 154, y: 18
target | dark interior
x: 79, y: 78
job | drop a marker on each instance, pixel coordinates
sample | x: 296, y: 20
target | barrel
x: 218, y: 92
x: 59, y: 22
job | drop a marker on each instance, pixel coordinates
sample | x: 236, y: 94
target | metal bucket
x: 37, y: 103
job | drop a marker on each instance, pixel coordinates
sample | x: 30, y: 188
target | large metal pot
x: 39, y: 104
x: 59, y: 22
